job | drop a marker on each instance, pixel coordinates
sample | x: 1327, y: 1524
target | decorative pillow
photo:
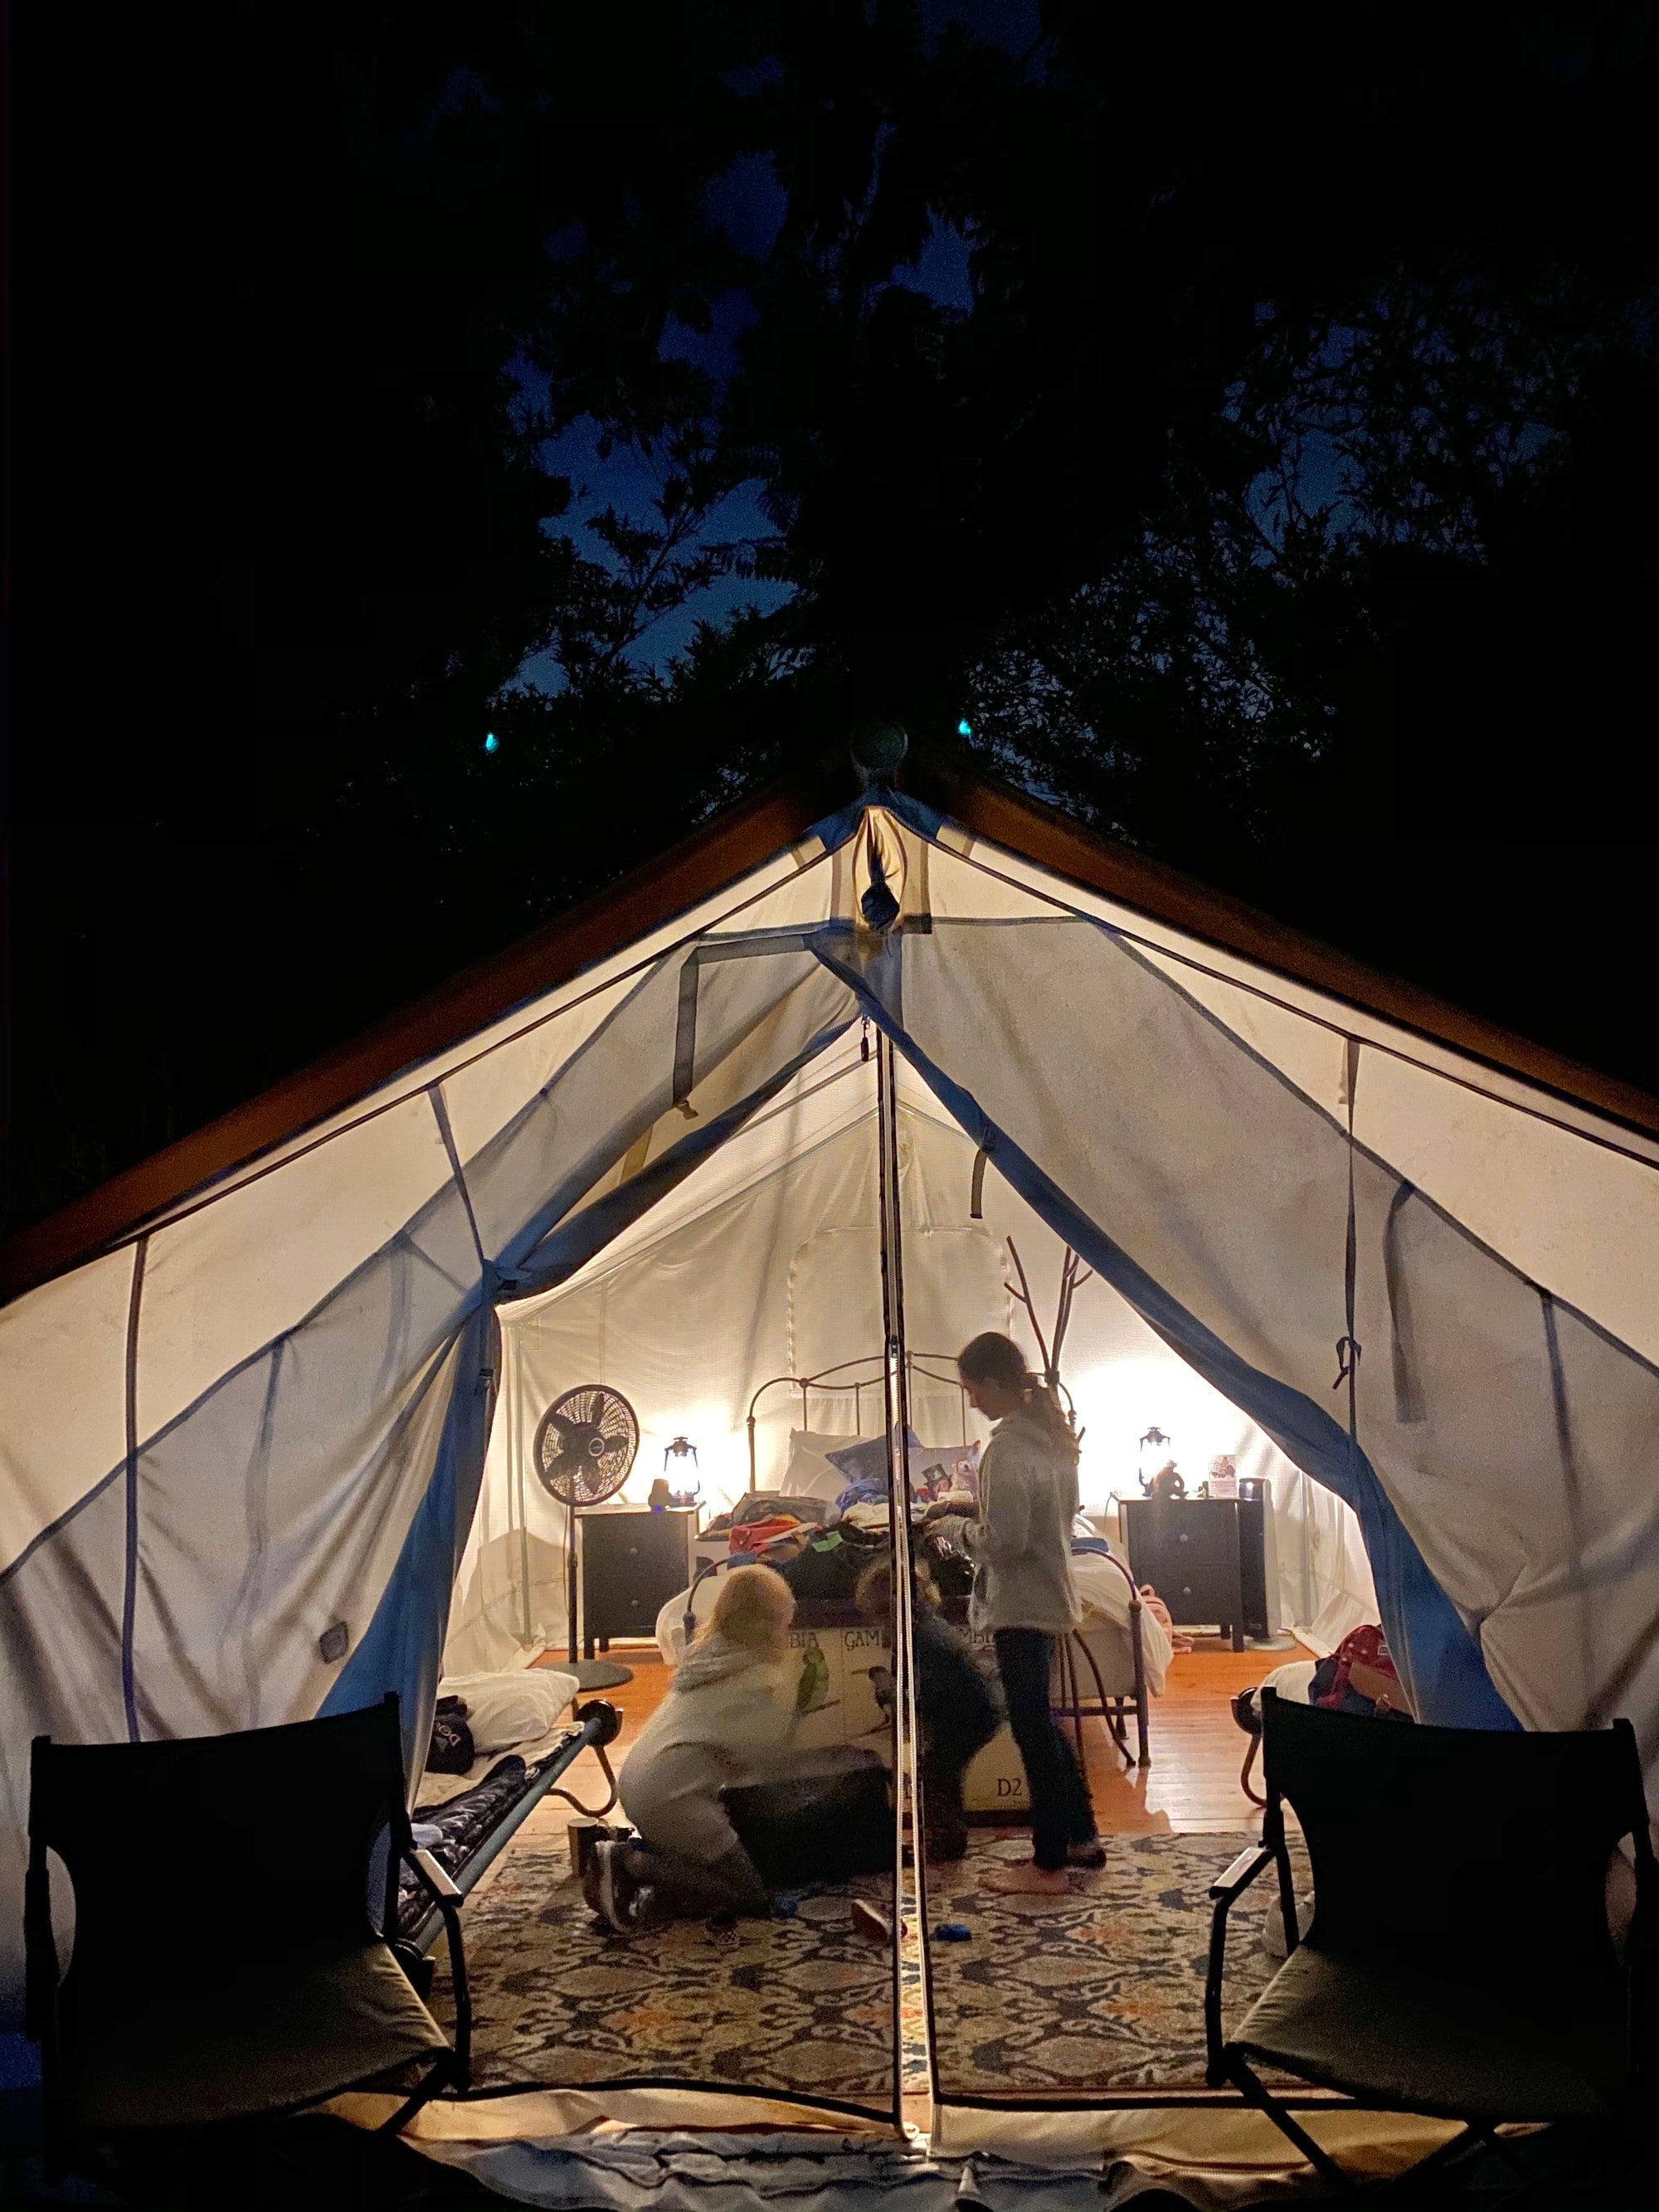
x: 506, y: 1710
x: 864, y: 1463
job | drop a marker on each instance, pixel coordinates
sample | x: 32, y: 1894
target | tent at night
x: 754, y: 1146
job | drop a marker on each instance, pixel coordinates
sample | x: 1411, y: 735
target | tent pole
x: 897, y: 1394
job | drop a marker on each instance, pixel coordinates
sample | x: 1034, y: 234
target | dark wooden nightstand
x: 633, y: 1561
x: 1204, y: 1556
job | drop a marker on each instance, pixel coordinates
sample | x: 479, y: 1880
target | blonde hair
x: 873, y: 1595
x: 996, y: 1359
x: 753, y: 1609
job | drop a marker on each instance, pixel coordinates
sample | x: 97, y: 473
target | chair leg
x: 426, y: 2090
x: 1320, y: 2161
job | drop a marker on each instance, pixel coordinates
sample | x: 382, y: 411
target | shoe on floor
x: 946, y: 1846
x: 591, y: 1882
x: 613, y: 1886
x: 1091, y: 1855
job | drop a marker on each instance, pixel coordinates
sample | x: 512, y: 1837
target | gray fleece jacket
x: 1022, y: 1541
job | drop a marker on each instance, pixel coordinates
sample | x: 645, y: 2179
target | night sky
x: 173, y: 945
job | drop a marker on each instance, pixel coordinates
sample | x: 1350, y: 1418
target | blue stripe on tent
x: 577, y: 1241
x: 1440, y: 1661
x: 401, y: 1649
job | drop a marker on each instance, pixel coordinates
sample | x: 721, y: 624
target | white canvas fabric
x: 270, y: 1455
x: 659, y: 1319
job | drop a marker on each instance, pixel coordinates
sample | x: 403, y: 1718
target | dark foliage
x: 1245, y: 421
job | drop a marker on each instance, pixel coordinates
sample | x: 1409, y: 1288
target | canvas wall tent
x: 248, y: 1391
x: 765, y: 1265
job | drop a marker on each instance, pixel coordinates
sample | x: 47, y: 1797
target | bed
x: 1098, y: 1675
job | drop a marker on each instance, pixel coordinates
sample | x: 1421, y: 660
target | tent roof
x: 667, y: 885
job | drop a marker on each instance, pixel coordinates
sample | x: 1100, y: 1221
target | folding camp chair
x: 1459, y: 1963
x: 227, y: 1963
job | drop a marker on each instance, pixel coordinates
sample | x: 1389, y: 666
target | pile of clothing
x: 763, y: 1505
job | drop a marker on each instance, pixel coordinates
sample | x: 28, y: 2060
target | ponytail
x: 1043, y: 1410
x: 996, y: 1359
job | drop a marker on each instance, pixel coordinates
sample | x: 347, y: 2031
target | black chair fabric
x: 296, y: 2024
x: 1459, y: 1960
x: 180, y: 2002
x: 1404, y: 2041
x: 1476, y: 1856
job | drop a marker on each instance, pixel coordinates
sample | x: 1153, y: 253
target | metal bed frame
x: 942, y: 1369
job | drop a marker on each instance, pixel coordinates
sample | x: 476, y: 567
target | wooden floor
x: 1191, y: 1788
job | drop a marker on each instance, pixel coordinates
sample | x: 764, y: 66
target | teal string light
x: 492, y: 743
x: 964, y: 727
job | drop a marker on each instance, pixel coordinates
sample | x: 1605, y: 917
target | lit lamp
x: 683, y: 1448
x: 1156, y: 1437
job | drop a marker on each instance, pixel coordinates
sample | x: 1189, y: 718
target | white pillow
x: 808, y: 1473
x: 810, y: 1440
x: 503, y: 1711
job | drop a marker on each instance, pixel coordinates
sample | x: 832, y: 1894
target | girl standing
x: 1023, y: 1593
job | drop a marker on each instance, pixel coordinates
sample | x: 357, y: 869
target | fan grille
x: 585, y: 1445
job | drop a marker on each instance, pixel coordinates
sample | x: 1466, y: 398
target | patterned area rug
x: 1102, y: 1991
x: 801, y: 2005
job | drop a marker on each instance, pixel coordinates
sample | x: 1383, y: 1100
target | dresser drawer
x: 632, y: 1565
x: 1191, y: 1550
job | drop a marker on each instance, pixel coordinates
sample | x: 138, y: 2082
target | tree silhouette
x: 1277, y: 465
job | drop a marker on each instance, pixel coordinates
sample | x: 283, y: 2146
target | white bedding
x: 562, y: 1692
x: 1105, y: 1595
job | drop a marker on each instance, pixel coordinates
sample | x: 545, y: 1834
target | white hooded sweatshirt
x: 728, y: 1720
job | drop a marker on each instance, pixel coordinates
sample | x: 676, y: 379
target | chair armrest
x: 1241, y: 1874
x: 1224, y: 1892
x: 433, y: 1875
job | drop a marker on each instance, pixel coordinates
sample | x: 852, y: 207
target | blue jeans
x: 1061, y: 1814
